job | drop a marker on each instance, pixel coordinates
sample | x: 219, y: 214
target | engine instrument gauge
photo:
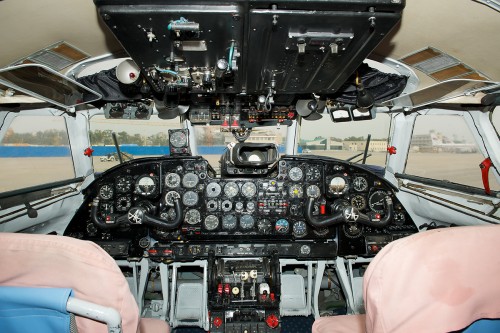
x: 178, y: 139
x: 211, y: 222
x: 106, y: 192
x: 399, y: 218
x: 247, y: 222
x: 168, y: 214
x: 229, y: 222
x: 377, y: 201
x: 312, y: 173
x: 296, y: 191
x: 190, y: 198
x: 282, y: 226
x: 360, y: 184
x: 172, y: 180
x: 352, y: 230
x: 295, y: 174
x: 231, y: 189
x: 192, y: 217
x: 171, y: 196
x: 123, y: 203
x: 146, y: 186
x: 123, y: 184
x: 213, y: 190
x: 338, y: 185
x: 190, y: 180
x: 299, y: 229
x: 264, y: 226
x: 248, y: 189
x: 313, y: 191
x: 358, y: 201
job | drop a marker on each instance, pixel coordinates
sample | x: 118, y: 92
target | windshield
x: 345, y: 140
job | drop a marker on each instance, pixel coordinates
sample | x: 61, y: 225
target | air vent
x: 441, y: 66
x: 56, y: 56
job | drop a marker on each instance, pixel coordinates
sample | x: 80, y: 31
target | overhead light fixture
x: 56, y: 56
x: 441, y: 66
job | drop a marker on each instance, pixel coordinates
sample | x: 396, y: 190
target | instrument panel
x: 160, y: 201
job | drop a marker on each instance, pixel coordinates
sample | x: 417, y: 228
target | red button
x: 226, y: 288
x: 217, y: 322
x: 272, y: 321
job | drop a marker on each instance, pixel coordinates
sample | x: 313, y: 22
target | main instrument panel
x: 176, y: 207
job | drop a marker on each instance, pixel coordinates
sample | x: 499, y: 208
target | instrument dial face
x: 123, y: 203
x: 231, y: 189
x: 299, y: 229
x: 106, y: 192
x: 295, y: 174
x: 264, y: 226
x: 192, y: 217
x: 172, y: 180
x: 213, y: 190
x: 190, y: 180
x: 296, y: 191
x: 360, y: 184
x: 226, y: 205
x: 282, y: 226
x: 359, y: 202
x: 399, y: 218
x: 229, y: 222
x: 377, y: 201
x: 313, y: 191
x: 321, y: 231
x: 123, y: 184
x: 178, y: 139
x: 170, y: 197
x: 211, y: 222
x: 338, y: 185
x: 247, y: 222
x: 190, y: 198
x: 168, y: 215
x: 313, y: 173
x: 146, y: 186
x: 340, y: 204
x: 248, y: 189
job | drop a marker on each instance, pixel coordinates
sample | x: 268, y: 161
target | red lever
x: 391, y: 150
x: 272, y: 321
x: 485, y: 168
x: 217, y: 322
x: 88, y: 151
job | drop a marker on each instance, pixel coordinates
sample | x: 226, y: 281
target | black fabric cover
x: 382, y: 86
x: 112, y: 90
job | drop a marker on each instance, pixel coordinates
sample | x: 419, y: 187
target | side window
x: 35, y: 150
x: 443, y: 148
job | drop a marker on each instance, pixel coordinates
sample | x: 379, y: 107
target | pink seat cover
x: 58, y: 261
x: 435, y: 281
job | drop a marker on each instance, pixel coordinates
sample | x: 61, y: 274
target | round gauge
x: 123, y: 203
x: 264, y: 226
x: 178, y: 139
x: 248, y: 189
x: 358, y: 201
x: 295, y: 191
x: 192, y: 216
x: 313, y: 191
x: 321, y: 231
x: 106, y: 208
x: 213, y: 190
x: 144, y: 242
x: 106, y: 192
x: 226, y: 205
x: 170, y: 197
x: 295, y: 174
x: 305, y: 249
x: 299, y: 229
x: 399, y: 218
x: 190, y: 198
x: 145, y: 186
x: 91, y: 229
x: 377, y: 201
x: 123, y: 184
x: 229, y: 222
x: 246, y: 222
x: 211, y: 222
x: 282, y: 226
x: 238, y: 206
x: 190, y: 180
x: 250, y: 206
x: 172, y: 180
x: 231, y: 189
x: 353, y: 230
x: 212, y: 205
x: 339, y: 205
x: 312, y: 173
x: 337, y: 186
x: 168, y: 215
x: 360, y: 184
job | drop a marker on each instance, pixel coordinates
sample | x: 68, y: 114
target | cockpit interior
x: 249, y: 166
